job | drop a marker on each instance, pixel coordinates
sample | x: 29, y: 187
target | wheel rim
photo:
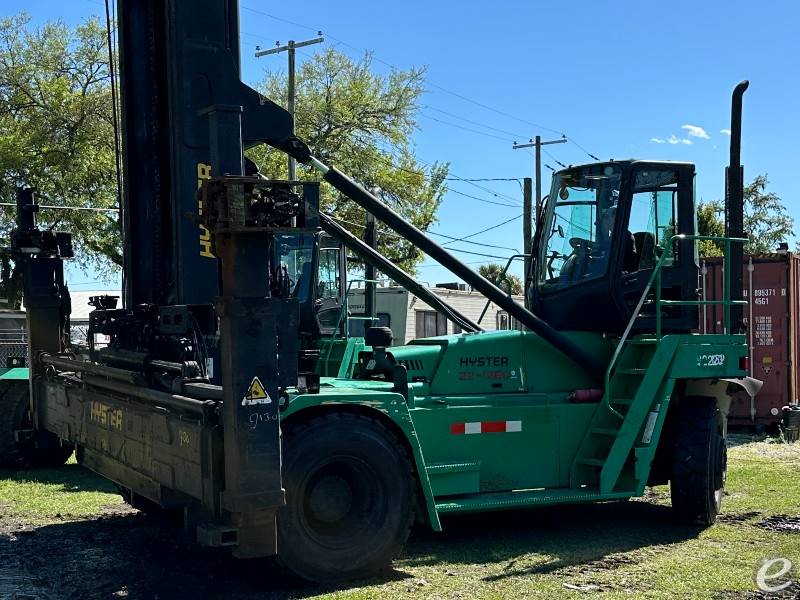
x: 341, y: 501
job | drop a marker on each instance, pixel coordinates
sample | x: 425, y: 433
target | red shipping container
x: 772, y: 285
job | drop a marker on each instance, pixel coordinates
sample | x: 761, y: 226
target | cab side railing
x: 654, y: 281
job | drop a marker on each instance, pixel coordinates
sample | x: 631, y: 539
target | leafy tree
x: 361, y: 122
x: 766, y: 221
x: 509, y: 282
x: 709, y: 223
x: 56, y: 132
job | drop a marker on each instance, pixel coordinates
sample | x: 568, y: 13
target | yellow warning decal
x: 256, y: 393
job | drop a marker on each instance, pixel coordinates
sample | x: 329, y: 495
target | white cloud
x: 696, y: 131
x: 673, y: 139
x: 725, y: 131
x: 658, y: 141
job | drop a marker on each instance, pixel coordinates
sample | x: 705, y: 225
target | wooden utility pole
x: 527, y: 234
x: 537, y: 144
x: 290, y: 48
x: 528, y: 219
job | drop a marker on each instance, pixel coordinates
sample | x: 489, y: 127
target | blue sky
x: 613, y: 77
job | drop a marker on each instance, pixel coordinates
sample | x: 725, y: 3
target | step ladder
x: 615, y: 453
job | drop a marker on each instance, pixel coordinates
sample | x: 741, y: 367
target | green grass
x: 41, y: 495
x: 625, y: 549
x: 620, y: 550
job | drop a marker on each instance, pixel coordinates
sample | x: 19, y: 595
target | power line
x: 582, y: 148
x: 465, y: 180
x: 470, y: 181
x: 450, y: 237
x: 483, y: 199
x: 476, y: 253
x: 478, y: 123
x: 443, y: 122
x: 555, y: 160
x: 461, y: 239
x: 485, y: 179
x: 431, y: 84
x: 453, y: 177
x: 477, y: 262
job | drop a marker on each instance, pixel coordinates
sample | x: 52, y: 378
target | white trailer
x: 410, y: 318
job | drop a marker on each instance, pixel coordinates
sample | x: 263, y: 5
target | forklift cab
x: 602, y: 231
x: 314, y: 269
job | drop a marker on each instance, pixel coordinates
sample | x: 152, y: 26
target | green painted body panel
x: 448, y: 479
x: 378, y: 396
x: 338, y: 356
x: 560, y: 451
x: 17, y: 373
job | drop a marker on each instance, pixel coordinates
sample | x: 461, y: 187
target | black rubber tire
x: 699, y: 461
x: 350, y: 498
x: 379, y: 337
x: 15, y: 415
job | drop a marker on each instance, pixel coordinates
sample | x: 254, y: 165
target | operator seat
x: 630, y: 260
x: 303, y: 283
x: 645, y: 244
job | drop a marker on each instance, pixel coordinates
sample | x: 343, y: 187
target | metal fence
x: 13, y: 347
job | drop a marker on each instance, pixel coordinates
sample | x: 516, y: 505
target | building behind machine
x: 410, y: 318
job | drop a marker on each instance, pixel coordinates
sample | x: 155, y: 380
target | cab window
x: 329, y: 285
x: 653, y: 218
x: 579, y: 226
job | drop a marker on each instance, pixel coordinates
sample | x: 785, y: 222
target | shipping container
x: 772, y: 288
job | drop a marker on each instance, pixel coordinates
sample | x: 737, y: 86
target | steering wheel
x: 550, y: 259
x: 580, y: 245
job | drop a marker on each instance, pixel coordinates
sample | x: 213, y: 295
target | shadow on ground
x: 128, y: 554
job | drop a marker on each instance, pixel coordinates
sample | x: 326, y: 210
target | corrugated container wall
x: 772, y: 285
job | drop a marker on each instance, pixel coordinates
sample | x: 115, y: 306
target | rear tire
x: 350, y: 497
x: 14, y: 416
x: 699, y: 461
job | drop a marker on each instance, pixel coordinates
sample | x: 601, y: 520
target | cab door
x: 330, y: 285
x: 661, y: 205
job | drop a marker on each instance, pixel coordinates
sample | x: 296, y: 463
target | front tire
x: 699, y: 461
x: 350, y: 497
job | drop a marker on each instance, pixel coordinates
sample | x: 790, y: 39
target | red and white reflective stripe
x: 486, y: 427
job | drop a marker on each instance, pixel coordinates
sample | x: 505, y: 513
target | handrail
x: 655, y: 277
x: 343, y: 315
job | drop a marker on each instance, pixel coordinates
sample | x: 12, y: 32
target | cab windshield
x: 579, y: 223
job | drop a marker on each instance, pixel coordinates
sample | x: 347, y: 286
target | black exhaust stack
x: 371, y: 204
x: 734, y: 205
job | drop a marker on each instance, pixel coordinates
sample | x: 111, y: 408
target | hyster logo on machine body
x: 484, y: 361
x: 485, y: 367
